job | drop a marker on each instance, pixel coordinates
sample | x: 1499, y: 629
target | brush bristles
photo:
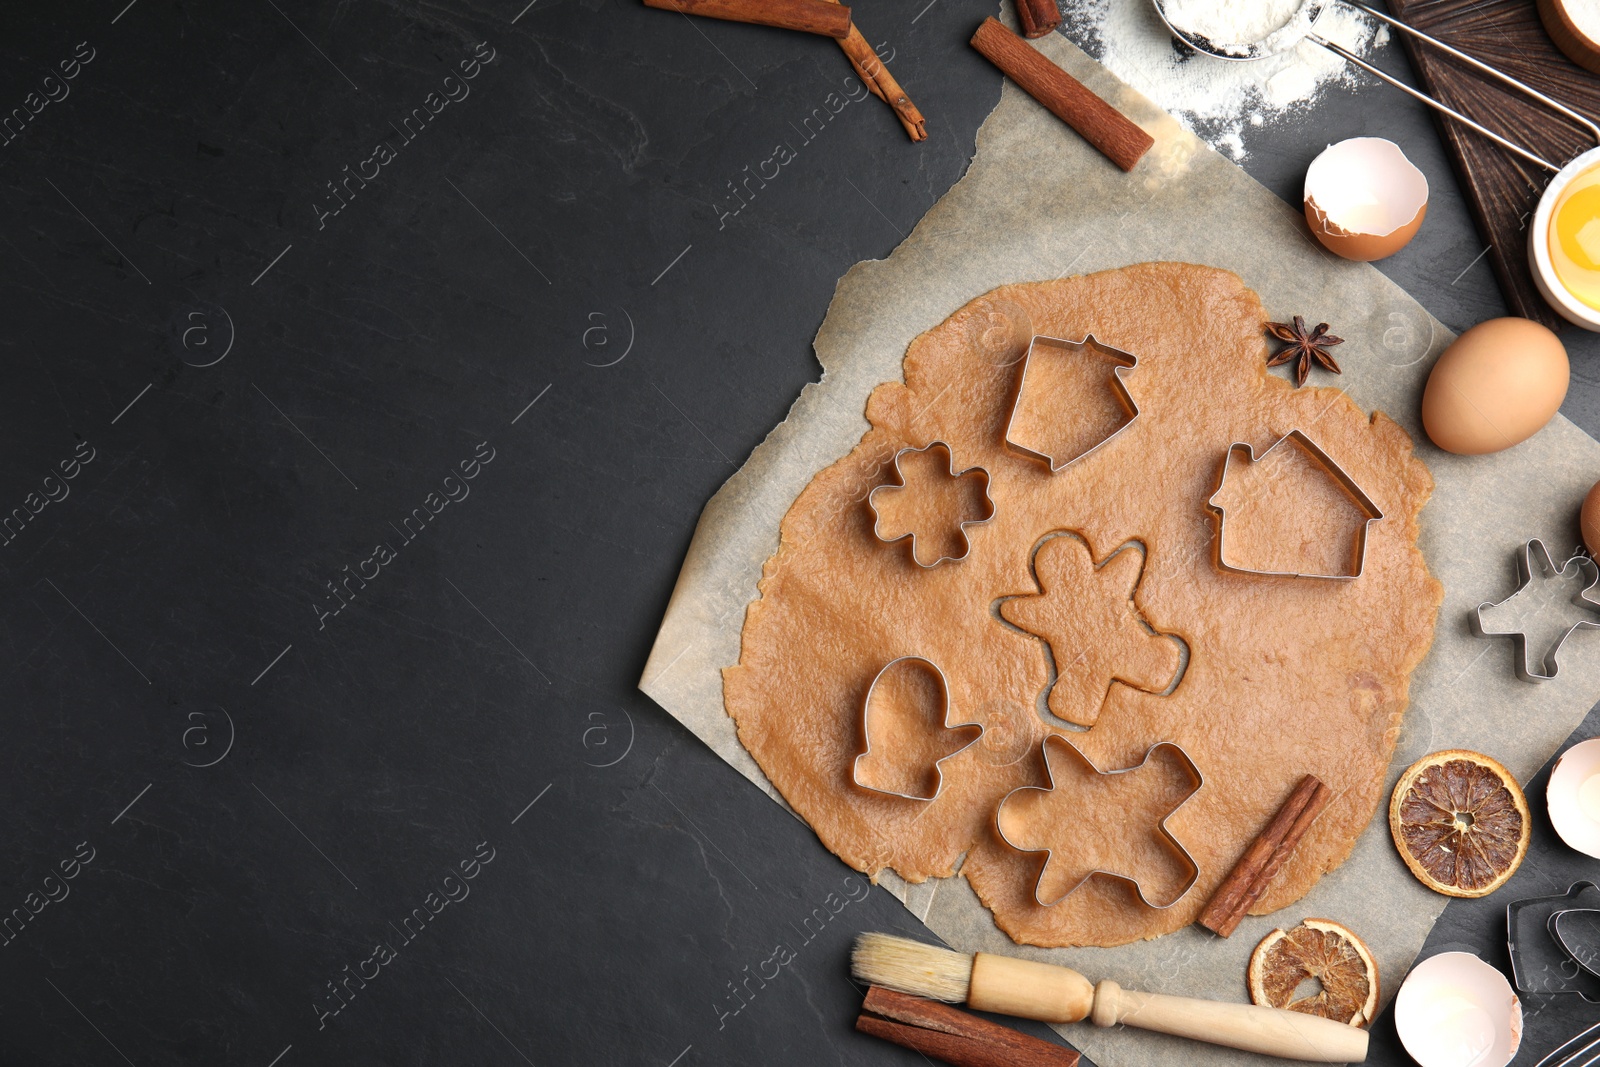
x: 912, y: 967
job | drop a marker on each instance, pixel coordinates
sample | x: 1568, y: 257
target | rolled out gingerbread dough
x: 1278, y: 677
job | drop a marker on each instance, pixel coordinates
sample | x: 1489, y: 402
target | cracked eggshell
x: 1574, y: 797
x: 1364, y: 199
x: 1454, y: 1010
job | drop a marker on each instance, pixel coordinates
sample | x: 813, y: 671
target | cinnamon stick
x: 1039, y: 18
x: 1255, y: 870
x: 876, y: 77
x: 808, y: 16
x: 952, y: 1035
x: 1069, y: 99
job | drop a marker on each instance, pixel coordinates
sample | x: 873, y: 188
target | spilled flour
x: 1216, y: 98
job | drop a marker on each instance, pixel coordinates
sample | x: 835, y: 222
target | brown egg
x: 1364, y: 199
x: 1589, y: 520
x: 1496, y: 386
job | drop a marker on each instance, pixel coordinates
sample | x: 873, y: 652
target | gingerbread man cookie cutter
x: 1166, y: 833
x: 866, y: 730
x: 1123, y: 364
x: 1339, y: 475
x: 900, y: 483
x: 1529, y: 555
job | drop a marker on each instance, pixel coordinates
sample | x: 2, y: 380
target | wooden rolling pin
x: 1030, y: 990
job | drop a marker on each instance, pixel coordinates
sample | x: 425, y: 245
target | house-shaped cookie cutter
x: 1124, y: 364
x: 866, y: 731
x: 900, y: 482
x: 1338, y: 473
x: 1188, y: 857
x: 1528, y: 555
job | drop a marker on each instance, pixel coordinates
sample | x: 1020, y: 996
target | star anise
x: 1304, y: 345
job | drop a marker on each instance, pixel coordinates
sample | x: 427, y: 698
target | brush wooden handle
x: 1006, y: 985
x: 1030, y: 990
x: 1273, y: 1031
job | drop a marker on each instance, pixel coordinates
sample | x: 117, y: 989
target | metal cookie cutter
x: 1188, y: 858
x: 1540, y: 961
x: 1125, y: 363
x: 1528, y: 555
x: 900, y: 483
x: 866, y: 730
x: 1577, y: 931
x: 1334, y: 470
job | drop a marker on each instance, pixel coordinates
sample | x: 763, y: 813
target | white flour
x: 1231, y: 24
x: 1216, y: 98
x: 1585, y: 15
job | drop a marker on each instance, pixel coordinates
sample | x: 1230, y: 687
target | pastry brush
x: 1030, y: 990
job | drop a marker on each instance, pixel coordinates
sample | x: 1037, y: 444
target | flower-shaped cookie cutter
x: 1336, y: 472
x: 1528, y: 556
x: 900, y: 483
x: 1188, y: 765
x: 866, y: 730
x: 1123, y: 364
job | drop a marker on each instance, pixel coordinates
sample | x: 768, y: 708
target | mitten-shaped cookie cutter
x: 866, y: 730
x: 1338, y: 473
x: 1123, y: 364
x: 1188, y: 765
x: 900, y: 483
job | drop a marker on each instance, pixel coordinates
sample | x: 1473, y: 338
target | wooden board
x: 1501, y: 188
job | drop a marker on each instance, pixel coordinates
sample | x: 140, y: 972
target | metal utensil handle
x: 1340, y: 50
x: 1479, y: 65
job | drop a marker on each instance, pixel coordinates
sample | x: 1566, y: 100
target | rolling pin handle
x: 1273, y: 1031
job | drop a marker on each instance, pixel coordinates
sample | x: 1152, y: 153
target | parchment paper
x: 1038, y: 203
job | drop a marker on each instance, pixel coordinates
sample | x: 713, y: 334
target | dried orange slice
x: 1460, y: 822
x: 1316, y: 951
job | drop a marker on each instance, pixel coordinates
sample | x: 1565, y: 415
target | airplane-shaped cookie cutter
x: 1338, y: 474
x: 1527, y: 556
x: 1188, y: 857
x: 1126, y: 363
x: 866, y: 731
x: 900, y: 482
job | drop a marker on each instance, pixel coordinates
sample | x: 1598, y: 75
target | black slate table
x: 354, y: 480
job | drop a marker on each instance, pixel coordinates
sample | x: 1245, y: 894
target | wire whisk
x: 1572, y: 1059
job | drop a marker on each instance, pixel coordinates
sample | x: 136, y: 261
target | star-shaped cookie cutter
x: 1528, y: 556
x: 866, y: 731
x: 1188, y: 857
x: 900, y: 483
x: 1338, y: 474
x: 1125, y: 363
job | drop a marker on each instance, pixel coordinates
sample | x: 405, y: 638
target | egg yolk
x: 1575, y: 238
